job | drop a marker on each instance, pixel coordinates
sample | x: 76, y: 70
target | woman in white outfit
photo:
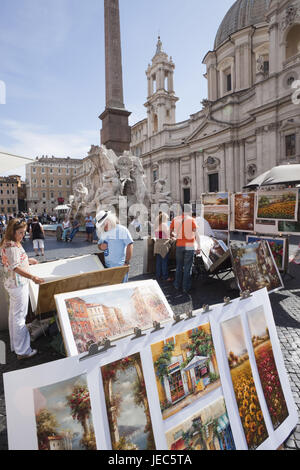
x: 17, y: 273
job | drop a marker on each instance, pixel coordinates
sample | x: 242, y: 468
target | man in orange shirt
x: 184, y: 229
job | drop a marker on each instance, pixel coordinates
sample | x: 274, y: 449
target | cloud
x: 34, y: 140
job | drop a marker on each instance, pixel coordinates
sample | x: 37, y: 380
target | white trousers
x: 18, y: 332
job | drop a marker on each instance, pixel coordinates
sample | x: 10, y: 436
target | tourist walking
x: 115, y: 240
x: 17, y: 273
x: 37, y: 236
x: 162, y: 247
x: 184, y: 229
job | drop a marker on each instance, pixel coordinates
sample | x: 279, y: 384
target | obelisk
x: 115, y: 133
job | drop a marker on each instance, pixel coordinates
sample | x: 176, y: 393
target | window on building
x: 266, y: 67
x: 213, y: 182
x: 33, y: 170
x: 186, y: 195
x: 290, y: 145
x: 228, y: 82
x: 292, y: 41
x: 154, y: 175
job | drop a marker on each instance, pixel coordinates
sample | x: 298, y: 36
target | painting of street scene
x: 63, y: 416
x: 127, y: 405
x: 278, y: 247
x: 243, y: 383
x: 114, y: 315
x: 266, y: 367
x: 254, y: 267
x: 278, y: 205
x: 244, y: 205
x: 186, y: 369
x: 208, y: 429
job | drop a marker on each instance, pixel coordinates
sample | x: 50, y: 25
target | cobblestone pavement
x: 285, y: 304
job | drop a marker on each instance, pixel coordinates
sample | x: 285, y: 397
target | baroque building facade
x: 250, y: 120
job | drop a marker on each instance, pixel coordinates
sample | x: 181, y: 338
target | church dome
x: 243, y: 13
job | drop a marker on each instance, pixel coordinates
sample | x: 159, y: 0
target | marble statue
x: 161, y: 195
x: 109, y: 177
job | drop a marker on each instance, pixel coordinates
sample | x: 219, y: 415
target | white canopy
x: 282, y: 174
x: 9, y: 161
x: 63, y: 207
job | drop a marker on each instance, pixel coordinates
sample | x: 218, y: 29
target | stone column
x: 229, y: 168
x: 194, y: 195
x: 242, y: 165
x: 115, y: 133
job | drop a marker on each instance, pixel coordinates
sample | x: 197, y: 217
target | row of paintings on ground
x: 216, y: 381
x: 266, y: 212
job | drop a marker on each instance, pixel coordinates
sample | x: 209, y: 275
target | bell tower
x: 161, y: 99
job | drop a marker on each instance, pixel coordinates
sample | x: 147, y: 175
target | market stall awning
x: 282, y: 174
x: 9, y: 161
x: 197, y: 361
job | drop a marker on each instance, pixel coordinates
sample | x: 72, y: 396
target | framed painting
x: 254, y: 267
x: 243, y: 212
x: 215, y: 199
x: 112, y: 312
x: 279, y: 248
x: 278, y: 205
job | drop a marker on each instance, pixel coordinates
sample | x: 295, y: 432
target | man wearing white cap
x: 115, y: 240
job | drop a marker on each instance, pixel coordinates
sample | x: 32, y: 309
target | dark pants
x: 162, y: 267
x: 73, y: 233
x: 184, y: 263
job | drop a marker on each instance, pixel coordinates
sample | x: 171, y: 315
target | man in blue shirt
x: 115, y: 240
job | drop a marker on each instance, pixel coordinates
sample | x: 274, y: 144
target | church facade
x: 250, y: 120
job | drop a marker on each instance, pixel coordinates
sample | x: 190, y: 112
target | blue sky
x: 52, y: 63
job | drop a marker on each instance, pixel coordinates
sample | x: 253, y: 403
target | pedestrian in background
x: 162, y: 247
x: 184, y: 229
x: 89, y: 228
x: 37, y: 236
x: 115, y: 240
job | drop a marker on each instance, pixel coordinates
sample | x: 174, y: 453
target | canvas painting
x: 215, y: 199
x: 278, y: 205
x: 112, y: 312
x: 63, y: 416
x: 269, y: 227
x: 266, y: 366
x: 287, y: 227
x: 208, y: 429
x: 127, y: 405
x: 278, y: 247
x: 250, y: 412
x: 212, y: 250
x: 217, y: 217
x: 254, y: 267
x: 186, y: 369
x: 244, y: 212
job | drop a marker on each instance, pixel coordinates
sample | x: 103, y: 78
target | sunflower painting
x: 243, y: 383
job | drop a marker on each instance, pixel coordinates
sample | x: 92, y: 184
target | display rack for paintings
x: 45, y: 303
x: 200, y: 384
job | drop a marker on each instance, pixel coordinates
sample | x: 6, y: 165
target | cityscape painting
x: 208, y: 429
x: 110, y: 312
